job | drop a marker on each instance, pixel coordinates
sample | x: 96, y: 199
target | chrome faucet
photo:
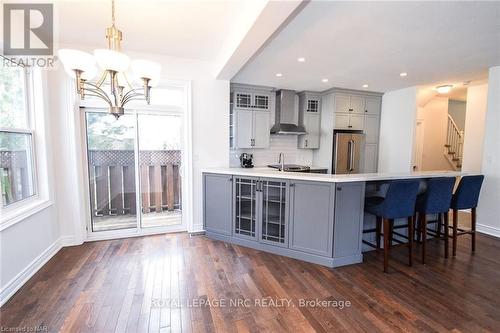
x: 281, y: 160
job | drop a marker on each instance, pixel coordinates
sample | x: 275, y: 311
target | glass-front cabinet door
x: 274, y: 213
x: 245, y: 207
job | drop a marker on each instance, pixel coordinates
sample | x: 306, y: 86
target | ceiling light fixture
x: 365, y: 86
x: 444, y: 89
x: 116, y: 66
x: 301, y: 59
x: 324, y: 80
x: 403, y: 74
x: 279, y: 75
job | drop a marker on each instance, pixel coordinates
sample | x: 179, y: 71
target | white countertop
x: 361, y: 177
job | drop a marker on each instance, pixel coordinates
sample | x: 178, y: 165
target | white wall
x: 489, y: 209
x: 457, y: 109
x: 397, y: 128
x: 27, y: 244
x: 434, y: 115
x: 475, y: 115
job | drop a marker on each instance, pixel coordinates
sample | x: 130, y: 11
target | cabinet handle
x: 350, y: 126
x: 292, y: 185
x: 351, y: 109
x: 307, y: 143
x: 339, y: 188
x: 366, y: 110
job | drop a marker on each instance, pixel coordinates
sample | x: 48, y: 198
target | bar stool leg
x: 411, y: 232
x: 386, y: 244
x: 473, y: 228
x: 423, y: 226
x: 378, y: 231
x: 439, y: 225
x: 419, y: 238
x: 446, y: 234
x: 455, y: 231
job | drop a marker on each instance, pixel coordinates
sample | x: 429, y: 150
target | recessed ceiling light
x: 324, y: 80
x: 279, y: 75
x: 403, y: 74
x: 301, y: 59
x: 365, y: 86
x: 444, y: 89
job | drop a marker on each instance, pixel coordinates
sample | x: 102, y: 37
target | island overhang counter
x: 317, y: 218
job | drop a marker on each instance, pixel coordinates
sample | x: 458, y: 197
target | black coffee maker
x: 246, y: 160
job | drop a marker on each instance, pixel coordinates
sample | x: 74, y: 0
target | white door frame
x: 186, y: 169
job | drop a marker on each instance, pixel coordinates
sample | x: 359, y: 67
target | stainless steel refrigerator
x: 348, y: 148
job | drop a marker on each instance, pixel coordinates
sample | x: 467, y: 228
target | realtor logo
x: 28, y: 29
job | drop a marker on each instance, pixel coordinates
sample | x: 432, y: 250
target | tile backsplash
x: 286, y: 144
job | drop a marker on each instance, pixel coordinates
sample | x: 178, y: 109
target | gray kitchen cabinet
x: 312, y: 124
x: 370, y: 158
x: 250, y: 117
x: 245, y: 211
x: 274, y: 198
x: 261, y: 129
x: 348, y: 224
x: 261, y: 210
x: 349, y: 121
x: 252, y: 129
x: 372, y: 105
x: 311, y: 217
x: 349, y: 103
x: 371, y: 128
x: 309, y: 117
x: 218, y: 199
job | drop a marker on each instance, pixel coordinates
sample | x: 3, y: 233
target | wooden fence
x: 112, y: 181
x: 14, y: 176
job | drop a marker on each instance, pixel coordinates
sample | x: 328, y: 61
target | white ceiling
x: 187, y: 29
x: 356, y: 43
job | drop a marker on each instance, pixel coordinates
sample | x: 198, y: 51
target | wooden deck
x: 123, y: 286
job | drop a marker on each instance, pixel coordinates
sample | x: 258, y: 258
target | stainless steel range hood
x: 287, y: 114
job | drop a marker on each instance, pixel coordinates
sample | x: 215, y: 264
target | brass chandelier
x: 116, y: 67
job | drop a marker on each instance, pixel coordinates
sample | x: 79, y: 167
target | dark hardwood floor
x: 124, y: 286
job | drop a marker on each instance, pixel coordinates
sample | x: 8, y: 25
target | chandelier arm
x: 102, y: 79
x: 134, y: 97
x: 95, y: 95
x: 100, y: 93
x: 132, y: 91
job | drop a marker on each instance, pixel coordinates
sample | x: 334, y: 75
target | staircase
x: 454, y: 144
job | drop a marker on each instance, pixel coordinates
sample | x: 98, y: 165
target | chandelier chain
x: 113, y: 12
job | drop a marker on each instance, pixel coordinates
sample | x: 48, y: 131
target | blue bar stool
x: 466, y: 197
x: 399, y: 202
x: 435, y: 200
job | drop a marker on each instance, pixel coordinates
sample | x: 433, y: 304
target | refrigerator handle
x: 353, y: 154
x: 349, y: 155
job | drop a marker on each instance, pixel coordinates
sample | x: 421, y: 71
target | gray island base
x: 317, y: 218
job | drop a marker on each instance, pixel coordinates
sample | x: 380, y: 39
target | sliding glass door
x: 160, y: 166
x: 134, y: 166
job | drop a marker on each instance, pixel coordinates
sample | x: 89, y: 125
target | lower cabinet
x: 316, y: 221
x: 261, y: 210
x: 311, y: 217
x: 348, y: 223
x: 218, y: 199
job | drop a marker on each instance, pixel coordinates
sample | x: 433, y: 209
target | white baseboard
x: 485, y: 229
x: 20, y: 279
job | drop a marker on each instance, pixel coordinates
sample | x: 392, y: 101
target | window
x: 17, y: 172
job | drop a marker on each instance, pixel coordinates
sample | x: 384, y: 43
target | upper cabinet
x: 349, y: 103
x: 309, y: 117
x: 250, y: 117
x: 360, y: 112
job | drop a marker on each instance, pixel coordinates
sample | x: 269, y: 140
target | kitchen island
x: 318, y: 218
